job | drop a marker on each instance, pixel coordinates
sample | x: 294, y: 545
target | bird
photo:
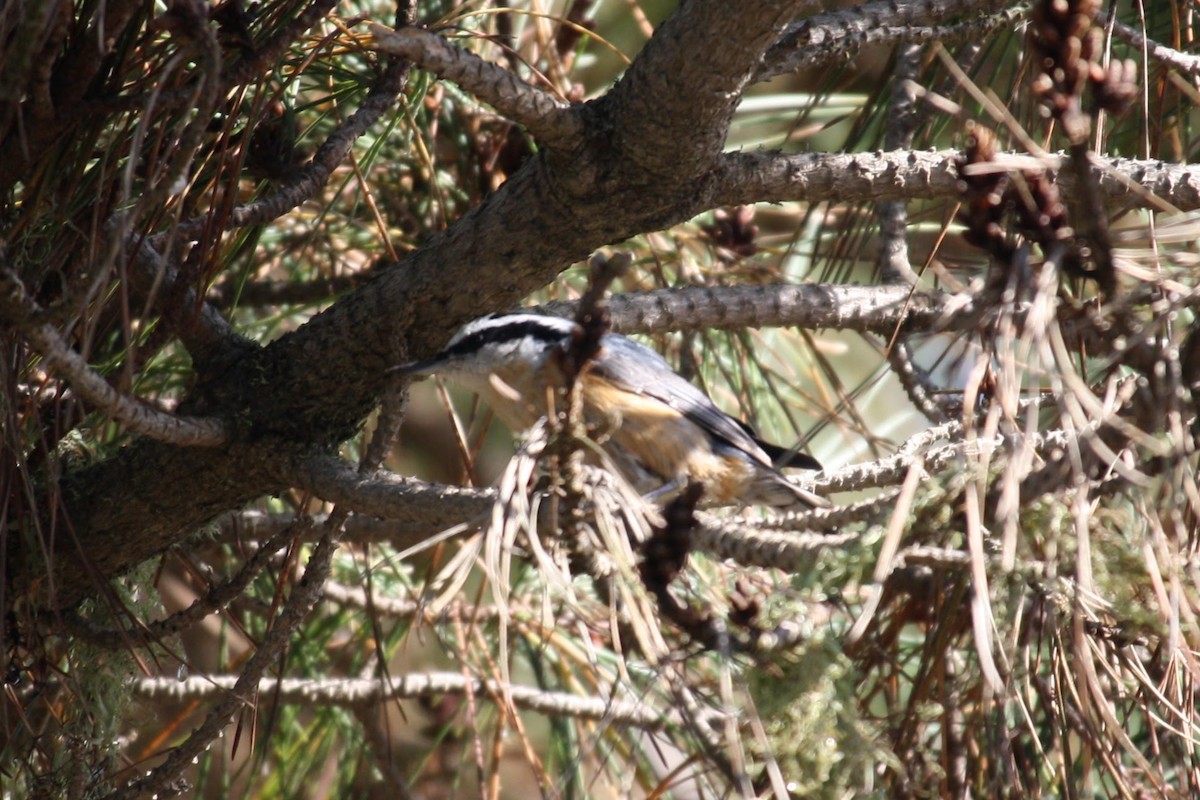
x: 662, y: 432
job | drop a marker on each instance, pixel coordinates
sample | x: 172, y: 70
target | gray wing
x: 639, y: 369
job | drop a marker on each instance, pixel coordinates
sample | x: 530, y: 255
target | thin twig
x: 1187, y: 63
x: 243, y: 687
x: 309, y: 180
x: 893, y: 261
x: 354, y: 692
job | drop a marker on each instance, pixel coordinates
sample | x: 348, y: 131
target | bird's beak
x: 420, y: 368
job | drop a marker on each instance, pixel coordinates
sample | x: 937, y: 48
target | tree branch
x: 836, y: 34
x: 20, y: 311
x: 304, y: 596
x: 308, y: 180
x: 652, y: 104
x: 893, y: 262
x: 406, y: 501
x: 865, y: 309
x: 771, y: 177
x: 552, y: 121
x: 762, y: 547
x: 358, y: 692
x: 1186, y: 63
x: 360, y: 528
x: 207, y: 336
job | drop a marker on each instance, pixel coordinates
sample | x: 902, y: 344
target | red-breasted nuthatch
x: 661, y: 430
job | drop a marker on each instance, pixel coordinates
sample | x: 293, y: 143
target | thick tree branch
x: 653, y: 102
x: 168, y: 500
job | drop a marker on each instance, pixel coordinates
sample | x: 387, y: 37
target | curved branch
x: 308, y: 180
x: 22, y: 312
x: 550, y: 120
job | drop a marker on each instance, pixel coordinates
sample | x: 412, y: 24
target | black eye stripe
x: 509, y: 331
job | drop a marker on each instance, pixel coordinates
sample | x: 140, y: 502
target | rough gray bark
x: 647, y: 159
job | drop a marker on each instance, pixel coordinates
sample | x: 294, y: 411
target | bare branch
x: 842, y: 47
x: 1186, y: 63
x: 301, y: 601
x: 789, y: 551
x: 874, y: 309
x: 359, y: 692
x: 902, y: 120
x: 21, y: 311
x: 309, y: 179
x: 891, y: 470
x: 391, y: 496
x: 893, y: 261
x: 771, y: 177
x: 837, y: 34
x: 550, y: 120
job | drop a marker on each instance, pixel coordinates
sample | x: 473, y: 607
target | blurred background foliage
x: 157, y: 134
